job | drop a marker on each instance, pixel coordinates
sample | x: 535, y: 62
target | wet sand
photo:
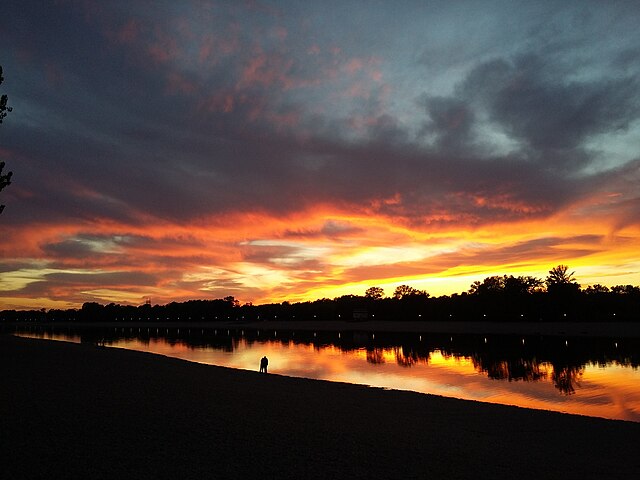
x: 79, y: 411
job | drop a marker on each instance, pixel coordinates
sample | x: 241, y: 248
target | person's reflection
x: 264, y: 363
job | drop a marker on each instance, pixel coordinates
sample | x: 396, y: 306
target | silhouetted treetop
x: 405, y: 291
x: 374, y: 293
x: 506, y: 284
x: 560, y: 275
x: 596, y: 289
x: 625, y: 290
x: 4, y: 109
x: 562, y: 283
x: 5, y: 178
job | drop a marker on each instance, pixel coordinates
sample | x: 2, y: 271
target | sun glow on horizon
x: 306, y: 257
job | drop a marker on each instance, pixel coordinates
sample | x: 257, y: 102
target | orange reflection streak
x: 611, y: 392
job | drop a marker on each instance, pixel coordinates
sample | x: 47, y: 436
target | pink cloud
x: 213, y: 48
x: 164, y: 47
x: 222, y: 101
x: 358, y: 90
x: 206, y: 48
x: 266, y: 70
x: 354, y: 65
x: 127, y: 34
x: 178, y: 83
x: 280, y: 32
x: 282, y: 121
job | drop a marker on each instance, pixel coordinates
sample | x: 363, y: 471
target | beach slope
x: 79, y: 411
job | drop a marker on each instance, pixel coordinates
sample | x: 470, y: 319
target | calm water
x: 597, y: 377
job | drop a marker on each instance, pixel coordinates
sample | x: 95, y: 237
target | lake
x: 580, y: 375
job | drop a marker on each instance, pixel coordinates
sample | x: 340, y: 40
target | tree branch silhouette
x: 5, y: 178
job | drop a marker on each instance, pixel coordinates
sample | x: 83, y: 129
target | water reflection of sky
x: 611, y: 391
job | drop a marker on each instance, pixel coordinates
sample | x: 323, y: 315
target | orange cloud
x: 315, y: 253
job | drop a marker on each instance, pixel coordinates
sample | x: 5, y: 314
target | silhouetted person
x: 264, y: 363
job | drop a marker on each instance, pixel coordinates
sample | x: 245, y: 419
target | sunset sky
x: 275, y: 150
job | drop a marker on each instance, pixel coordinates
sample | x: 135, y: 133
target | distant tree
x: 494, y: 284
x: 507, y: 284
x: 596, y: 289
x: 231, y: 300
x: 535, y: 284
x: 374, y: 293
x: 475, y: 286
x: 5, y: 178
x: 405, y: 291
x: 560, y: 281
x: 3, y: 100
x: 625, y: 290
x: 521, y: 285
x: 560, y: 275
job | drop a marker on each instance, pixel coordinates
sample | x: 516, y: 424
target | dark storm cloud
x: 624, y: 207
x: 168, y: 154
x: 543, y: 106
x: 75, y: 248
x: 103, y: 279
x: 94, y: 244
x: 450, y: 121
x: 13, y: 266
x: 129, y: 114
x: 56, y: 284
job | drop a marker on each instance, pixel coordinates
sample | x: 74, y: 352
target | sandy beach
x: 79, y: 411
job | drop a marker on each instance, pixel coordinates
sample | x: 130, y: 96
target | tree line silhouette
x: 504, y: 298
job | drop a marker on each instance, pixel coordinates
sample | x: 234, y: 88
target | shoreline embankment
x: 571, y: 329
x: 80, y: 411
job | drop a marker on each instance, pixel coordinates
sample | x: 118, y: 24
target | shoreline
x: 75, y: 410
x: 571, y: 329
